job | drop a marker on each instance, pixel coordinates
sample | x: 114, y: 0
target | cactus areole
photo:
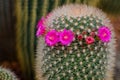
x: 76, y: 43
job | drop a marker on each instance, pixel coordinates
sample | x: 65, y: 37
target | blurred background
x: 18, y: 19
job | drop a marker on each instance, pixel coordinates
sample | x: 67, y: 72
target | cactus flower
x: 90, y: 40
x: 40, y: 22
x: 92, y: 34
x: 80, y: 37
x: 104, y: 34
x: 41, y: 28
x: 66, y: 37
x: 51, y: 38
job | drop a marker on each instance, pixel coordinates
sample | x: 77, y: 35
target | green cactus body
x: 79, y: 60
x: 6, y: 74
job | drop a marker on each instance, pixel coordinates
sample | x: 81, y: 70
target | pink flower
x: 92, y: 34
x: 89, y: 40
x: 51, y: 38
x: 66, y: 37
x: 104, y: 34
x: 40, y: 28
x: 80, y: 37
x: 41, y: 22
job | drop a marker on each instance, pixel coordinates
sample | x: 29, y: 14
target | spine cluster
x: 6, y: 74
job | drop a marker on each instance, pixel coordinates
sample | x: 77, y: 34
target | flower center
x: 89, y: 39
x: 104, y: 34
x: 65, y: 37
x: 51, y: 38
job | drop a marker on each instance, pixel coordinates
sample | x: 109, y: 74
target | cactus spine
x: 6, y: 74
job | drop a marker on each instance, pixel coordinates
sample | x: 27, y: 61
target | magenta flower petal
x: 40, y: 28
x: 51, y: 38
x: 104, y: 34
x: 66, y: 37
x: 41, y: 22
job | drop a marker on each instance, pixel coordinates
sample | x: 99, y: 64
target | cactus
x: 78, y: 60
x: 6, y: 74
x: 27, y: 13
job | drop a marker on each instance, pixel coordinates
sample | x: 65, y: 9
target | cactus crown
x: 6, y: 74
x: 86, y: 56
